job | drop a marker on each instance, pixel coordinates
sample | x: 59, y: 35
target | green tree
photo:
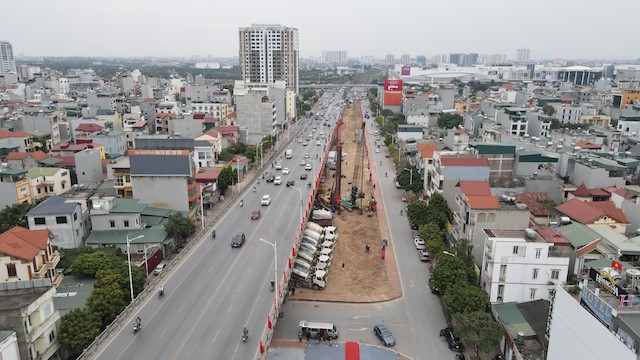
x: 179, y: 227
x: 449, y: 120
x: 478, y: 330
x: 77, y: 330
x: 463, y: 298
x: 409, y: 179
x: 228, y: 177
x: 432, y: 235
x: 548, y: 110
x: 386, y: 113
x: 451, y: 270
x: 89, y: 264
x: 417, y: 213
x: 439, y: 203
x: 15, y: 214
x: 251, y: 151
x: 225, y: 155
x: 107, y: 298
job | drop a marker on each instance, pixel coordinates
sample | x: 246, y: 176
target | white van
x: 317, y: 330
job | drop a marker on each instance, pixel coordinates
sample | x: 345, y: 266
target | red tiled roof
x: 22, y: 243
x: 198, y: 116
x: 17, y: 155
x: 427, y: 150
x: 213, y: 133
x: 87, y: 127
x: 552, y: 236
x: 139, y: 124
x: 582, y: 191
x: 65, y: 161
x: 587, y: 145
x: 534, y: 203
x: 208, y: 175
x: 475, y: 188
x: 227, y: 130
x: 483, y: 202
x: 239, y: 158
x: 464, y: 161
x: 232, y: 115
x: 588, y: 212
x: 621, y: 192
x: 39, y: 155
x: 210, y: 120
x: 599, y: 192
x: 7, y: 134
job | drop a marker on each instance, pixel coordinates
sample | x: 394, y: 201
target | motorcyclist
x: 161, y: 290
x: 254, y: 189
x: 380, y: 162
x: 138, y: 322
x: 273, y: 285
x: 241, y: 202
x: 385, y: 174
x: 245, y: 332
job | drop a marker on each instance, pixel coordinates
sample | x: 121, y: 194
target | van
x: 317, y: 330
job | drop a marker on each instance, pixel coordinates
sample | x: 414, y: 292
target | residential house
x: 214, y: 137
x: 45, y: 182
x: 520, y: 266
x: 457, y: 139
x: 409, y: 132
x: 114, y: 141
x: 15, y: 141
x: 14, y: 187
x: 425, y: 163
x: 538, y: 124
x: 514, y: 120
x: 540, y: 207
x: 586, y: 245
x: 122, y: 178
x: 257, y: 113
x: 24, y: 160
x: 501, y: 158
x: 66, y: 149
x: 524, y: 325
x: 64, y: 220
x: 45, y: 125
x: 9, y: 345
x: 449, y: 170
x: 164, y: 112
x: 583, y: 194
x: 230, y: 135
x: 26, y: 291
x: 535, y: 164
x: 595, y: 213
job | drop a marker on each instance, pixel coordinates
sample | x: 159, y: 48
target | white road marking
x: 361, y: 317
x: 162, y: 333
x: 182, y: 307
x: 360, y: 329
x: 216, y: 336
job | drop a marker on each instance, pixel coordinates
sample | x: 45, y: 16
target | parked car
x: 266, y: 200
x: 303, y: 162
x: 433, y: 288
x: 278, y: 166
x: 304, y: 143
x: 159, y: 269
x: 420, y: 244
x: 255, y: 215
x: 309, y: 166
x: 384, y: 334
x: 452, y: 340
x: 424, y: 255
x: 237, y: 240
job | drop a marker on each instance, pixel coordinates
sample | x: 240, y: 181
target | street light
x: 129, y: 261
x: 202, y: 203
x: 410, y: 175
x: 275, y: 266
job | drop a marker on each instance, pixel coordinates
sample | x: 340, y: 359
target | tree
x: 228, y: 177
x: 432, y: 235
x: 225, y: 155
x: 409, y: 179
x: 89, y: 264
x: 417, y: 213
x: 440, y: 204
x: 13, y: 215
x: 77, y: 330
x: 463, y: 298
x: 451, y: 270
x: 387, y: 113
x: 548, y: 110
x: 450, y: 121
x: 179, y: 227
x: 107, y: 298
x: 477, y: 329
x: 251, y: 151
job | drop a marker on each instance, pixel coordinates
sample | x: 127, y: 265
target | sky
x: 567, y: 29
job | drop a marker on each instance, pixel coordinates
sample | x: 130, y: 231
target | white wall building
x: 7, y: 60
x: 520, y: 266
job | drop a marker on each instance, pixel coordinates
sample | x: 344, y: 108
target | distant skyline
x: 568, y: 29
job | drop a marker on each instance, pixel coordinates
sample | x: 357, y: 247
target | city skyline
x: 131, y: 29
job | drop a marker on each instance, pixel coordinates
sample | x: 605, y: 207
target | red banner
x: 616, y: 265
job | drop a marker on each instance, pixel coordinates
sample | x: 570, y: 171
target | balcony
x: 40, y: 273
x: 53, y: 261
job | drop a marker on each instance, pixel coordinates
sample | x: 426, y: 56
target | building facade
x: 7, y: 60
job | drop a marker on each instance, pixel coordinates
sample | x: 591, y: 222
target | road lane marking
x: 182, y: 307
x: 215, y: 336
x: 361, y: 317
x: 360, y: 329
x: 162, y: 333
x: 198, y: 286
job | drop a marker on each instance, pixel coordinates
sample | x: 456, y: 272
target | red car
x: 255, y: 215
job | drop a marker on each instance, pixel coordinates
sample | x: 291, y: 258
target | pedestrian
x: 374, y: 186
x: 343, y: 265
x: 293, y: 291
x: 367, y: 248
x: 300, y: 335
x: 308, y: 336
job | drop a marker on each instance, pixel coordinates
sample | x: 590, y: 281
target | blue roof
x: 54, y: 205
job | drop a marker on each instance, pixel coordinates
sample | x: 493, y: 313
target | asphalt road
x: 217, y: 290
x: 415, y: 319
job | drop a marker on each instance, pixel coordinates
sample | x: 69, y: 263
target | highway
x: 217, y: 290
x: 415, y: 318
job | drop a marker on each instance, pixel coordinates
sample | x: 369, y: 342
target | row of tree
x: 455, y: 276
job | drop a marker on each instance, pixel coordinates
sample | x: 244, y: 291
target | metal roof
x: 160, y: 165
x: 54, y: 205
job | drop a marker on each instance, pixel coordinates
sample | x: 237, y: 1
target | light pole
x: 202, y: 204
x: 129, y: 261
x: 410, y: 176
x: 275, y: 266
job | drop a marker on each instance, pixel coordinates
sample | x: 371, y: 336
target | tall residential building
x: 421, y: 60
x: 389, y: 59
x: 7, y: 61
x: 523, y: 55
x: 405, y: 59
x: 334, y: 57
x: 268, y: 53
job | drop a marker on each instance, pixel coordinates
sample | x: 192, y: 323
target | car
x: 377, y: 150
x: 278, y: 166
x: 159, y: 269
x: 290, y: 183
x: 270, y: 177
x: 303, y: 176
x: 433, y: 288
x: 237, y: 240
x: 266, y: 200
x: 318, y: 143
x: 420, y: 245
x: 387, y: 155
x: 302, y: 162
x: 384, y: 334
x: 277, y: 180
x: 309, y: 166
x: 304, y: 143
x: 300, y: 140
x: 255, y: 215
x: 285, y: 171
x: 306, y: 156
x: 423, y: 255
x: 452, y: 340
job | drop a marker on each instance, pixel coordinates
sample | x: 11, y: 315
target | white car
x: 309, y: 166
x: 420, y: 245
x: 318, y: 143
x: 277, y: 180
x: 302, y: 162
x: 306, y: 156
x: 278, y: 166
x: 377, y: 150
x: 285, y: 171
x: 266, y: 200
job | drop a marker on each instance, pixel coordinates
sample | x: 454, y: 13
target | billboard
x: 392, y: 98
x: 393, y: 85
x: 406, y: 71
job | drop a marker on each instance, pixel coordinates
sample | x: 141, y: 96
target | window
x: 126, y: 223
x: 535, y: 273
x: 52, y: 336
x: 11, y: 270
x: 61, y: 219
x: 538, y: 252
x: 63, y: 185
x: 112, y: 223
x: 515, y: 250
x: 39, y: 221
x: 75, y: 216
x: 555, y: 274
x: 532, y: 293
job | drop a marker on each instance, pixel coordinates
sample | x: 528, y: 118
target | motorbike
x: 273, y: 285
x: 160, y: 292
x: 241, y: 203
x: 254, y: 189
x: 380, y: 163
x: 213, y: 234
x: 460, y: 357
x: 137, y: 327
x: 245, y: 335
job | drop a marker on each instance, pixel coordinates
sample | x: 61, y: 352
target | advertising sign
x: 597, y: 306
x: 607, y: 279
x: 406, y: 71
x: 393, y: 85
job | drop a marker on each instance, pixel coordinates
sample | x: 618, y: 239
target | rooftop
x: 54, y: 205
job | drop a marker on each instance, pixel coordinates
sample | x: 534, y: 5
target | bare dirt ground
x: 363, y: 277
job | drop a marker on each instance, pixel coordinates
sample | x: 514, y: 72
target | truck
x: 288, y: 153
x: 315, y: 227
x: 317, y: 280
x: 331, y: 232
x: 312, y: 234
x: 331, y: 160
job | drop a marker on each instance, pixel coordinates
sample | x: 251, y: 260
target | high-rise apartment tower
x: 7, y: 61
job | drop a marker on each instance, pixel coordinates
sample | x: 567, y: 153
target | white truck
x: 288, y: 153
x: 317, y: 280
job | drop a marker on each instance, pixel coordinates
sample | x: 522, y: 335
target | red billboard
x: 406, y: 71
x: 393, y: 85
x: 392, y: 98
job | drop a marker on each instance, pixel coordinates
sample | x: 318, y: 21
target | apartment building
x: 15, y: 141
x: 7, y: 60
x: 258, y: 114
x: 450, y: 169
x: 63, y: 218
x: 122, y: 178
x: 501, y: 158
x: 14, y: 187
x: 46, y: 181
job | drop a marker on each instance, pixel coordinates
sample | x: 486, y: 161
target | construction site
x: 359, y: 268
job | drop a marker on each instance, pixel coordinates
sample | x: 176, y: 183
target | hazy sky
x: 569, y: 29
